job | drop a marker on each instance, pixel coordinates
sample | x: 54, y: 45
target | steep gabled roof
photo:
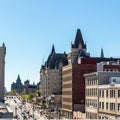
x: 55, y: 58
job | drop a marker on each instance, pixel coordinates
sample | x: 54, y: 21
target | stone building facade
x: 95, y: 82
x: 51, y: 73
x: 2, y: 71
x: 109, y: 99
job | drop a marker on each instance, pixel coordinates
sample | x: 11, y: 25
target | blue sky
x: 29, y: 28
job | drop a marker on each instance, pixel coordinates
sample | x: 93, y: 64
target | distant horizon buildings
x: 18, y: 86
x: 23, y: 88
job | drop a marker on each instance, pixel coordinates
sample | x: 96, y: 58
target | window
x: 96, y: 91
x: 118, y: 106
x: 93, y: 91
x: 106, y: 106
x: 90, y: 82
x: 96, y: 82
x: 102, y: 93
x: 112, y: 93
x: 102, y: 105
x: 112, y: 106
x: 118, y: 93
x: 106, y: 93
x: 86, y: 83
x: 90, y: 92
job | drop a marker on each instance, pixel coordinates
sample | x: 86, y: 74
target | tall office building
x: 2, y: 71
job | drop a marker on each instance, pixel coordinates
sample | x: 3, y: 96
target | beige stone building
x: 109, y: 99
x: 51, y: 74
x: 50, y: 82
x: 2, y: 71
x: 95, y: 106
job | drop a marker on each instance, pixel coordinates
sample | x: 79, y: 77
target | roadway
x: 24, y: 112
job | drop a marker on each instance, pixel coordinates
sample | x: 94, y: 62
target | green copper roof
x: 18, y: 78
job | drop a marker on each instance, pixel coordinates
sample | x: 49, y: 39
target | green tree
x: 38, y: 93
x: 12, y: 92
x: 28, y: 97
x: 31, y: 95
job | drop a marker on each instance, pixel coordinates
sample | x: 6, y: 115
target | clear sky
x: 29, y: 28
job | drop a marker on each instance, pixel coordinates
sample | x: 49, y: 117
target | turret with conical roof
x: 79, y: 40
x: 78, y: 48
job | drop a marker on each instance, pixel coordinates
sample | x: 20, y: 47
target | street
x: 24, y: 111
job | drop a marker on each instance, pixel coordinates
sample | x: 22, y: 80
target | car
x: 31, y: 115
x: 20, y: 107
x: 23, y: 114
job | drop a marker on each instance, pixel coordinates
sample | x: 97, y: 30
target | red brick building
x: 73, y: 85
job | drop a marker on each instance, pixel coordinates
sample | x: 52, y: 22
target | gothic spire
x: 53, y: 49
x: 18, y: 78
x: 79, y: 40
x: 102, y: 53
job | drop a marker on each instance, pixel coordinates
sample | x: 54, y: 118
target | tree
x: 31, y: 96
x: 12, y: 92
x: 38, y: 93
x: 28, y: 96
